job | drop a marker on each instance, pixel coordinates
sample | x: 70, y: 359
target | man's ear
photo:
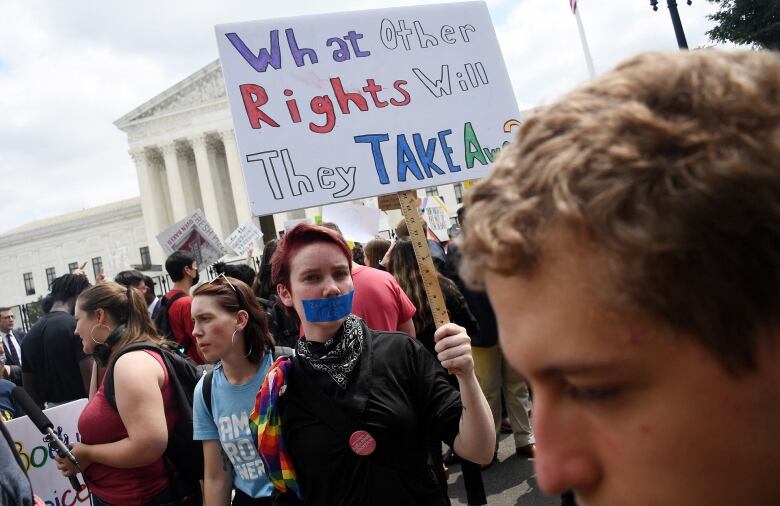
x: 284, y: 295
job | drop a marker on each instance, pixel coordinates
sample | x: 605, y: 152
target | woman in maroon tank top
x: 121, y: 449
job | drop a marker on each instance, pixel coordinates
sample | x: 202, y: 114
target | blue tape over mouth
x: 328, y: 309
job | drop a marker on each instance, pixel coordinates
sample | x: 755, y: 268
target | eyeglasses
x: 238, y: 293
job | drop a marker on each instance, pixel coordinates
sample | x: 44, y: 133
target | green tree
x: 754, y: 22
x: 35, y: 310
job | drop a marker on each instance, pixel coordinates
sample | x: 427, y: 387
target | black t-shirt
x: 52, y: 352
x: 401, y: 396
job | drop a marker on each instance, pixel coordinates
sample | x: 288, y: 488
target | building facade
x: 106, y: 238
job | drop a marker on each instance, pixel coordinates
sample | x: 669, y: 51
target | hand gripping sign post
x: 336, y: 107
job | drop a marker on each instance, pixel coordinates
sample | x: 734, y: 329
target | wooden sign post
x: 430, y: 275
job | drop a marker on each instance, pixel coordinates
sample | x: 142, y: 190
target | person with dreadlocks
x: 55, y: 369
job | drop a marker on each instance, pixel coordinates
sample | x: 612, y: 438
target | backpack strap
x: 176, y: 296
x: 108, y: 381
x: 206, y: 391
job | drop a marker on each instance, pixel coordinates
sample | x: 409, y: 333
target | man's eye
x: 592, y: 394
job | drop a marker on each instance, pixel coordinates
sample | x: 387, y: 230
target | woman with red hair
x: 355, y: 407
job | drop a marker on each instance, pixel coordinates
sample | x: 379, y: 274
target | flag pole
x: 584, y: 41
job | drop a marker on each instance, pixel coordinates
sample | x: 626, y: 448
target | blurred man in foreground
x: 630, y: 243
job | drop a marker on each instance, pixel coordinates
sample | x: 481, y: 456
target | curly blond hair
x: 670, y: 165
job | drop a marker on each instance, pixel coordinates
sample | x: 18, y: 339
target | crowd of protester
x: 628, y: 242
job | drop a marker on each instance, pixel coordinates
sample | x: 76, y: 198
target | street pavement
x: 509, y: 482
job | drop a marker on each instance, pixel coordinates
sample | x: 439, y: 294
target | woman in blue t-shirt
x: 230, y: 327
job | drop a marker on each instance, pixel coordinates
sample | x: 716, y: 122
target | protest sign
x: 194, y: 235
x: 436, y: 216
x: 338, y: 107
x: 357, y: 223
x: 48, y: 482
x: 388, y: 202
x: 288, y: 224
x: 243, y: 238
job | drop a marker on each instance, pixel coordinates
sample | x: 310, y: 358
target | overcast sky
x: 69, y: 69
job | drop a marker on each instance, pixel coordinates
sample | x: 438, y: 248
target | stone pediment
x: 203, y: 87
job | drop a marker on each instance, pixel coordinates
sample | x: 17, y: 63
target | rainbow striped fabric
x: 266, y: 419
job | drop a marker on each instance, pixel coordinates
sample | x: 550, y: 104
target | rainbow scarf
x: 266, y: 419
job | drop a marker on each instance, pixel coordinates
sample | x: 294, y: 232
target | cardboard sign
x: 47, y: 482
x: 357, y: 223
x: 388, y: 202
x: 194, y: 235
x: 243, y: 238
x: 344, y: 106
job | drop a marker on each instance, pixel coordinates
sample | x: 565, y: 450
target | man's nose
x: 564, y: 460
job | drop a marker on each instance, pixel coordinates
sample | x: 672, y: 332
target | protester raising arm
x: 476, y: 438
x: 409, y: 403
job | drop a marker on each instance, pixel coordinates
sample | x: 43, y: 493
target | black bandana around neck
x: 339, y: 355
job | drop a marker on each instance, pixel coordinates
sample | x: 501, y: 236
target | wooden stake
x: 430, y: 275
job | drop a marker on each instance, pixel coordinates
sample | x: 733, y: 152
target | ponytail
x: 126, y: 306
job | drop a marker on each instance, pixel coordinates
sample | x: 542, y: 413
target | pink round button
x: 362, y: 443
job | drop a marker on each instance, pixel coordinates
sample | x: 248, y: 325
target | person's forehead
x: 6, y: 314
x: 204, y: 303
x: 318, y: 254
x: 559, y: 316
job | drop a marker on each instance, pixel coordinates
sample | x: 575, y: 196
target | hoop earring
x: 233, y: 342
x: 92, y: 330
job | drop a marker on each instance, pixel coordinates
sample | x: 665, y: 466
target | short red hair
x: 296, y: 238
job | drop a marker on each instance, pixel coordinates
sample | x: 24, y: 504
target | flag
x: 573, y: 5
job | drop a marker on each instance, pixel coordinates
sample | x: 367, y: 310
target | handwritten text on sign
x: 351, y: 105
x: 48, y: 483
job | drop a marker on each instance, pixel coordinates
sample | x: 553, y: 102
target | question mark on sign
x: 508, y: 124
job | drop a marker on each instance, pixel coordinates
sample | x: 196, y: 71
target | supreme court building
x: 185, y: 153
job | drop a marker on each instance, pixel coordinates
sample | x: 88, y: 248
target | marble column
x: 207, y: 189
x: 175, y: 186
x: 151, y: 205
x: 240, y: 196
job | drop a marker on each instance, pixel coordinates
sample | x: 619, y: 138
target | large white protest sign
x: 193, y: 234
x: 338, y: 107
x: 47, y: 482
x: 357, y: 223
x: 243, y: 238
